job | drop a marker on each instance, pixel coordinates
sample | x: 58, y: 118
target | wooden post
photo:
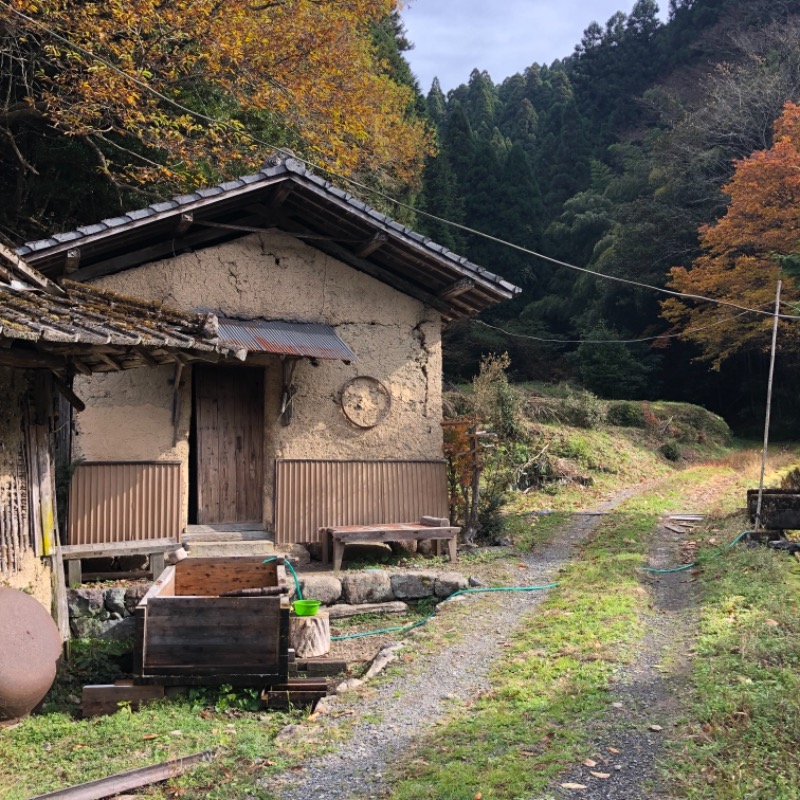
x: 769, y: 406
x: 310, y: 636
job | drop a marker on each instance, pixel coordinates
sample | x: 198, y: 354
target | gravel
x: 645, y: 694
x: 393, y: 715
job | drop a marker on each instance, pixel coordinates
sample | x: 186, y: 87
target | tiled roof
x: 98, y: 329
x: 409, y: 261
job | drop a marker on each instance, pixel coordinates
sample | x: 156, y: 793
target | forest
x: 658, y: 154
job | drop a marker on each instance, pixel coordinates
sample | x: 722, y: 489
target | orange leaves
x: 301, y: 72
x: 742, y: 250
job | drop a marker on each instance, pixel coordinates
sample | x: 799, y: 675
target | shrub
x: 626, y: 414
x: 584, y: 409
x: 671, y: 451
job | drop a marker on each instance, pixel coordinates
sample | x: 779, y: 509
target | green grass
x: 552, y: 679
x: 53, y: 749
x: 741, y: 742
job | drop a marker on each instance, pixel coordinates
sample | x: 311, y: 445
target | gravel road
x: 398, y: 712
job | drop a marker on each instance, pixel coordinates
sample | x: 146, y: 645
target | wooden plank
x: 164, y: 585
x: 75, y: 573
x: 100, y: 699
x: 126, y: 781
x: 395, y: 536
x: 256, y: 679
x: 47, y: 506
x: 237, y: 633
x: 117, y: 548
x: 60, y: 607
x: 321, y: 666
x: 207, y: 447
x: 213, y: 576
x: 156, y: 564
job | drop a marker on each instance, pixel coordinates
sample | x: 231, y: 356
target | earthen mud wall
x: 396, y: 338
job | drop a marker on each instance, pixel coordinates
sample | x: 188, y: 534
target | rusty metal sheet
x: 302, y: 339
x: 124, y: 502
x: 311, y: 494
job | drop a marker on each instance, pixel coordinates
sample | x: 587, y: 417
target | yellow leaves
x: 309, y: 66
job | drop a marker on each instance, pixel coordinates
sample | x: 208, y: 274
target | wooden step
x: 224, y: 549
x: 226, y: 532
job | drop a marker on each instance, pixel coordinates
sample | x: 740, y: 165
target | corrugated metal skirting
x: 124, y: 502
x: 313, y: 494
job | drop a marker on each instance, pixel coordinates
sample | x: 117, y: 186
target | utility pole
x: 769, y: 406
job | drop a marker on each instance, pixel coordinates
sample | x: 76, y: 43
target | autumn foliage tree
x: 102, y: 83
x: 744, y: 251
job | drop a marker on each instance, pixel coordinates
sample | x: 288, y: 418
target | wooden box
x: 186, y: 634
x: 780, y: 508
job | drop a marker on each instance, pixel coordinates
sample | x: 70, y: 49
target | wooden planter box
x: 186, y: 634
x: 780, y: 508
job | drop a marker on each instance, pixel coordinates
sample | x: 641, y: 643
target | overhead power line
x: 377, y: 192
x: 610, y: 341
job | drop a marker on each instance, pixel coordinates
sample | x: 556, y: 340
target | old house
x: 48, y: 333
x: 332, y: 412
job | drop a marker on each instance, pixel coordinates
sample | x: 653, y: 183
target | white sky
x: 451, y: 37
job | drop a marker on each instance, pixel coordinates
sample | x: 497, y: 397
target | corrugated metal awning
x: 302, y: 339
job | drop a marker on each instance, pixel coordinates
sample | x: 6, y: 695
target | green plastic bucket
x: 306, y: 608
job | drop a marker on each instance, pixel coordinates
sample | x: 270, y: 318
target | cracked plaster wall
x: 396, y: 338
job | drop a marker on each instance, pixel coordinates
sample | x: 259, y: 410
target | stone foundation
x: 108, y: 613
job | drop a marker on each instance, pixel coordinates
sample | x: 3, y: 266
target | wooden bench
x: 153, y: 548
x: 428, y: 528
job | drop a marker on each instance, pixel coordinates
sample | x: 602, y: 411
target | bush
x: 626, y: 414
x: 671, y: 451
x: 584, y: 409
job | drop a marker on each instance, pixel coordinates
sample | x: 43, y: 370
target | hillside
x: 613, y: 158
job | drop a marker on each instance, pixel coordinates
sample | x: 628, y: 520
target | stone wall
x: 108, y: 613
x: 396, y: 338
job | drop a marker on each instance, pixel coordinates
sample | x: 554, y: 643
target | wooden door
x: 229, y: 426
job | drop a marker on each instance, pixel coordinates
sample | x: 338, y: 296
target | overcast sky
x: 452, y: 37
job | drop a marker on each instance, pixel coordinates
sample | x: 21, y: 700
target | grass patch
x: 553, y: 677
x: 76, y: 751
x: 742, y: 741
x: 52, y: 749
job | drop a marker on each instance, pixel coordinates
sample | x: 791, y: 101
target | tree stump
x: 310, y: 636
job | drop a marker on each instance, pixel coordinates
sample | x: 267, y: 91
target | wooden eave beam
x: 134, y: 258
x: 72, y: 261
x: 372, y: 244
x: 67, y: 392
x: 79, y: 366
x: 29, y: 274
x: 457, y: 288
x: 110, y: 360
x: 184, y: 223
x: 30, y: 359
x: 147, y: 356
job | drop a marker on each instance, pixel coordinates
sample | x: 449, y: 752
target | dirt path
x: 391, y: 717
x: 647, y: 692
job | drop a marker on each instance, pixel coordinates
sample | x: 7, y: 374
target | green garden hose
x: 291, y: 569
x: 684, y: 567
x: 419, y: 623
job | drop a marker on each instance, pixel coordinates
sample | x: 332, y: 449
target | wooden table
x: 429, y: 528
